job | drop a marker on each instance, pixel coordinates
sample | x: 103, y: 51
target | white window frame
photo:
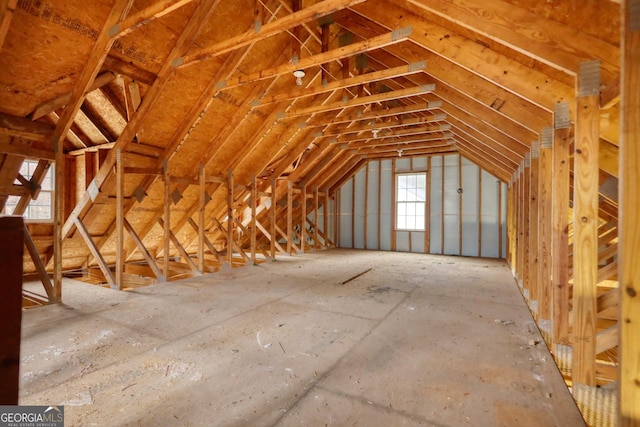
x: 411, y: 202
x: 47, y: 187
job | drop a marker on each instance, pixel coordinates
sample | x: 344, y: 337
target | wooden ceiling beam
x: 374, y: 76
x: 405, y: 148
x: 380, y: 136
x: 360, y: 115
x: 489, y: 155
x: 87, y: 76
x: 401, y: 123
x: 378, y: 42
x: 427, y: 151
x: 448, y: 75
x: 526, y: 82
x: 305, y: 15
x: 425, y: 138
x: 24, y: 128
x: 26, y: 151
x: 145, y: 16
x: 495, y: 170
x: 359, y: 101
x: 552, y: 43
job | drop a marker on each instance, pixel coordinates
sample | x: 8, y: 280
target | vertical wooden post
x: 479, y: 212
x: 325, y: 217
x: 379, y: 201
x: 337, y: 213
x: 272, y: 230
x: 353, y: 211
x: 545, y: 260
x: 585, y: 246
x: 442, y: 205
x: 427, y: 210
x: 460, y: 204
x: 58, y: 217
x: 393, y: 204
x: 560, y: 235
x: 289, y: 215
x: 534, y: 208
x: 520, y: 228
x: 201, y: 208
x: 254, y: 208
x: 230, y: 213
x: 500, y: 219
x: 629, y: 396
x: 316, y: 218
x: 303, y: 217
x: 167, y: 219
x: 526, y: 194
x: 120, y: 256
x: 366, y: 202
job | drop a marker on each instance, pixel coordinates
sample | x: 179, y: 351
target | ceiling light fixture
x: 299, y: 74
x: 399, y: 153
x: 375, y: 132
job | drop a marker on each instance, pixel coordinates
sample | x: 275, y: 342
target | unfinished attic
x: 275, y: 212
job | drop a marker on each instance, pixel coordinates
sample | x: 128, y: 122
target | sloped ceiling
x: 182, y: 83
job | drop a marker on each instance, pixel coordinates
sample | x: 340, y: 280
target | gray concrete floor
x: 418, y: 340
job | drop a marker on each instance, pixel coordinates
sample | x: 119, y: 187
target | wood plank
x: 254, y: 207
x: 145, y: 16
x: 586, y: 225
x: 545, y: 229
x: 120, y: 243
x: 378, y: 42
x: 24, y: 128
x: 62, y: 100
x: 536, y: 217
x: 181, y: 250
x: 39, y: 265
x: 166, y: 229
x: 629, y: 398
x: 307, y: 14
x: 201, y: 213
x: 359, y: 101
x: 7, y: 8
x: 104, y: 268
x: 289, y: 234
x: 560, y: 233
x: 230, y: 213
x: 374, y: 76
x: 561, y: 47
x: 143, y: 250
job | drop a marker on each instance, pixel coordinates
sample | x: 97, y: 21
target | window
x: 42, y: 206
x: 410, y: 201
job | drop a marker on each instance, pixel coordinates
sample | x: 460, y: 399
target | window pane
x: 410, y: 206
x: 402, y: 222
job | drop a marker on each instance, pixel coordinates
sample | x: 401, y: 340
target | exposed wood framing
x: 629, y: 391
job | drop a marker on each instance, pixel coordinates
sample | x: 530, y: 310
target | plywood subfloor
x: 417, y: 340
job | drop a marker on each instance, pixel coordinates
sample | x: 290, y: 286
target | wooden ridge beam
x: 305, y: 15
x: 374, y: 76
x: 378, y: 42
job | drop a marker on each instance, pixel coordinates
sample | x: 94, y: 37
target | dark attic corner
x: 320, y: 212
